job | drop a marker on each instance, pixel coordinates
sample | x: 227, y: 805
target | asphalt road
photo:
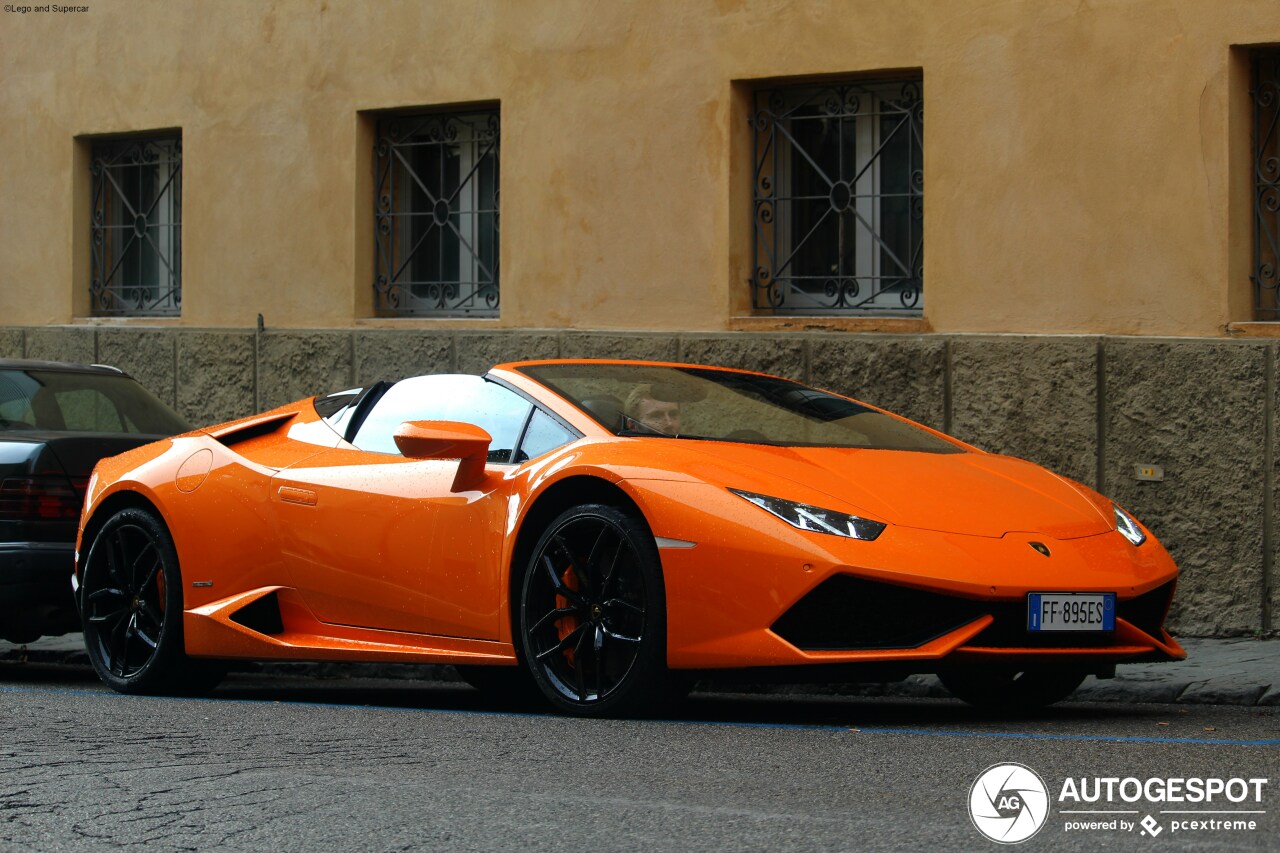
x: 275, y: 763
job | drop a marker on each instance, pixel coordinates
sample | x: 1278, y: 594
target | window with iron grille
x: 1265, y: 91
x: 839, y: 198
x: 436, y: 214
x: 136, y: 239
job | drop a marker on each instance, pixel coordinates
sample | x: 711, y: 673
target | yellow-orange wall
x: 1086, y: 162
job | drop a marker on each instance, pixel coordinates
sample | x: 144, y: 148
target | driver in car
x: 648, y: 412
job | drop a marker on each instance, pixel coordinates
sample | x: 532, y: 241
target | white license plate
x: 1071, y: 611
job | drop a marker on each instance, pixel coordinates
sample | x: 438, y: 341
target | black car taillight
x: 41, y: 497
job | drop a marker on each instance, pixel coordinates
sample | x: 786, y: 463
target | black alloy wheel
x: 131, y: 610
x: 592, y: 617
x: 1004, y: 689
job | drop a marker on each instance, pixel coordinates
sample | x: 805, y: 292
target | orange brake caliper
x: 566, y: 625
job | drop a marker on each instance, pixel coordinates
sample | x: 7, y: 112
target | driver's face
x: 655, y: 414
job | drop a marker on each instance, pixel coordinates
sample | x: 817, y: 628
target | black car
x: 56, y: 421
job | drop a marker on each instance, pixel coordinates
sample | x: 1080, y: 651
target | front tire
x: 1011, y: 690
x: 592, y: 614
x: 131, y: 610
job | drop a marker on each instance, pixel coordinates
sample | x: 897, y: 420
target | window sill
x: 127, y: 321
x: 903, y: 325
x: 1254, y: 329
x: 429, y: 323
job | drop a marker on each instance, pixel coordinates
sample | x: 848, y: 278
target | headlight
x: 1128, y: 528
x: 815, y: 519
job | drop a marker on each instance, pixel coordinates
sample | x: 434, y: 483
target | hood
x: 977, y: 494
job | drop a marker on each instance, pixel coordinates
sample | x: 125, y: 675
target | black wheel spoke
x: 128, y: 567
x: 552, y: 617
x: 106, y: 592
x: 112, y: 617
x: 143, y: 636
x: 151, y: 575
x: 614, y: 635
x: 118, y: 645
x: 130, y: 635
x: 584, y: 583
x: 137, y: 562
x: 598, y: 577
x: 113, y: 562
x: 560, y: 587
x: 578, y: 675
x: 626, y: 605
x: 144, y: 609
x: 564, y: 643
x: 598, y: 647
x: 606, y: 585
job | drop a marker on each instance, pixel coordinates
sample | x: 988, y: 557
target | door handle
x: 294, y: 495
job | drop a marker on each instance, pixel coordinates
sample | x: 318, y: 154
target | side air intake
x: 262, y: 615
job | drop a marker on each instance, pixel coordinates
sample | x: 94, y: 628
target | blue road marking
x: 1102, y: 738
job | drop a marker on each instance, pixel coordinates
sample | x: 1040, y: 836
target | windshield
x: 64, y: 401
x: 725, y: 405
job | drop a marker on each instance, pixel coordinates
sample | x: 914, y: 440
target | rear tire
x: 592, y: 614
x: 131, y: 610
x: 1010, y: 689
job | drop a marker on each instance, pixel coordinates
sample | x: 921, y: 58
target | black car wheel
x: 131, y: 609
x: 592, y: 617
x: 1013, y: 690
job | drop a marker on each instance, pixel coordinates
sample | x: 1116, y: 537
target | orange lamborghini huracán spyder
x: 597, y: 533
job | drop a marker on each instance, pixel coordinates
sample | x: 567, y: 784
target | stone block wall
x: 1199, y: 411
x: 1091, y: 408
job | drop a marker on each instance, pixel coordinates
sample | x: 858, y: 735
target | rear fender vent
x: 261, y: 615
x: 231, y: 436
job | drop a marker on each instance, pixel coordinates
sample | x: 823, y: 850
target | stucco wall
x: 1083, y: 161
x: 1090, y: 408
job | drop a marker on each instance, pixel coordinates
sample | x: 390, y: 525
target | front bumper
x: 754, y: 592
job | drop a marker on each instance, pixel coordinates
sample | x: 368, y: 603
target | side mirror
x: 447, y: 440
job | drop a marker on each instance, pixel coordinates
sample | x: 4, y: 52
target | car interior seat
x: 607, y: 409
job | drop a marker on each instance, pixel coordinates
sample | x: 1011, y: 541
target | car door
x: 376, y: 540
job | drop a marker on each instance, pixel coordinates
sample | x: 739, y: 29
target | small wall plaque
x: 1149, y: 473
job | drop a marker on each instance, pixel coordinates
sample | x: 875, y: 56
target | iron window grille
x: 1265, y: 92
x: 436, y: 214
x: 136, y: 239
x: 839, y: 198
